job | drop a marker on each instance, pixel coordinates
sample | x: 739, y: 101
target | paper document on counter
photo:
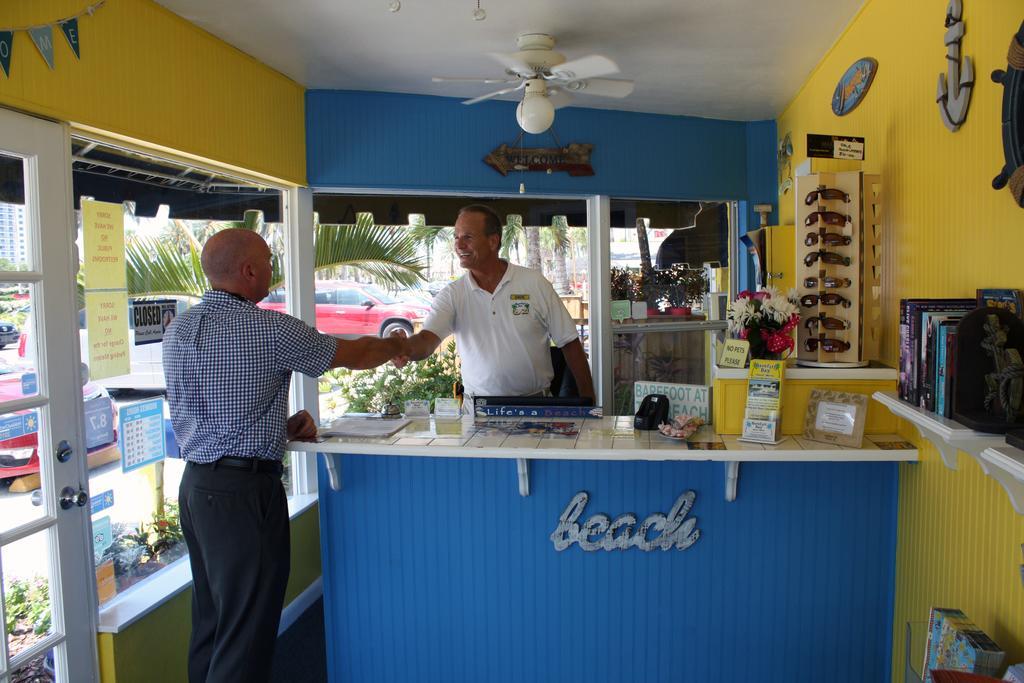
x: 363, y: 426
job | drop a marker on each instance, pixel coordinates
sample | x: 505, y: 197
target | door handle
x: 70, y: 497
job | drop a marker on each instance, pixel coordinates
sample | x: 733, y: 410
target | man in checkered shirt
x: 228, y: 366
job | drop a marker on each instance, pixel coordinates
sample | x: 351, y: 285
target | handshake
x: 402, y: 357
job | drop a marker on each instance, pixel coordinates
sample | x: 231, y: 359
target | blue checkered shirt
x: 228, y: 366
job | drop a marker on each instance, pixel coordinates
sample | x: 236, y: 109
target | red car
x: 19, y: 453
x: 352, y: 309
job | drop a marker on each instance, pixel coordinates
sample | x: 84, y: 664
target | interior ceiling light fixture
x: 549, y: 80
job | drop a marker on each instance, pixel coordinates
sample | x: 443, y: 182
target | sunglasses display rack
x: 838, y: 258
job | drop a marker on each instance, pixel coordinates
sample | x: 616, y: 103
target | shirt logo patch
x: 521, y: 308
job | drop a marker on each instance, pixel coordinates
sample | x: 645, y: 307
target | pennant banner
x: 70, y: 28
x: 42, y: 36
x: 6, y: 41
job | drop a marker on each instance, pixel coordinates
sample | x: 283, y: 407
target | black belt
x: 250, y: 464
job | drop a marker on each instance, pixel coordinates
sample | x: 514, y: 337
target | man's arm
x: 421, y: 345
x: 368, y: 352
x: 576, y: 360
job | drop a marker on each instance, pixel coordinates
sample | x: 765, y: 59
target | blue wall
x: 383, y: 140
x: 436, y: 570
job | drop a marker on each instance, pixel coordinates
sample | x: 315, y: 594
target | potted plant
x: 766, y: 319
x: 697, y: 286
x: 624, y: 289
x: 674, y: 282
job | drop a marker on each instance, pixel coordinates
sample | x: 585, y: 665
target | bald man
x: 228, y: 366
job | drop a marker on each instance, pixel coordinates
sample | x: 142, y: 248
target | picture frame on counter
x: 836, y: 417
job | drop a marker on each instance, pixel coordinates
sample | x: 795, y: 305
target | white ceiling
x: 728, y: 59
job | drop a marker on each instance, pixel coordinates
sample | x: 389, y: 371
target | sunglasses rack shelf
x: 838, y: 248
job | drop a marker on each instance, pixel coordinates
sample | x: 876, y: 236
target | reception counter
x: 522, y: 551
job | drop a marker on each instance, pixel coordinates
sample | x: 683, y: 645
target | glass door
x: 46, y: 573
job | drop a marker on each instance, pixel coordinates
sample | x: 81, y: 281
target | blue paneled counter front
x: 436, y: 569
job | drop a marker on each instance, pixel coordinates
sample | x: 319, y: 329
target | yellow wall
x: 947, y: 232
x: 147, y: 74
x: 155, y: 648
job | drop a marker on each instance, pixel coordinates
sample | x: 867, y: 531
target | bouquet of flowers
x: 766, y: 319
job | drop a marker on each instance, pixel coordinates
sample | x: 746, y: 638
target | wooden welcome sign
x: 573, y: 158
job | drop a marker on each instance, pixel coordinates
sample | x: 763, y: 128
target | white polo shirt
x: 502, y: 338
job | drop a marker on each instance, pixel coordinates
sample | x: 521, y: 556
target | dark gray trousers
x: 235, y: 524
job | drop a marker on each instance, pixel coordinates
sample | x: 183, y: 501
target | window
x: 416, y: 233
x: 169, y: 210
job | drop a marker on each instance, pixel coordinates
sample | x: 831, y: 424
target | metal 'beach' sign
x: 601, y: 533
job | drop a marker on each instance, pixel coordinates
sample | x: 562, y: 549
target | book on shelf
x: 1010, y: 299
x: 911, y: 311
x: 930, y: 321
x: 946, y: 676
x: 954, y: 642
x: 945, y: 342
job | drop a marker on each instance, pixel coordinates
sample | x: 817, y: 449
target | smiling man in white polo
x: 502, y: 316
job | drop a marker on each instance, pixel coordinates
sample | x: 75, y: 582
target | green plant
x: 370, y: 390
x: 163, y: 531
x: 27, y: 600
x: 625, y: 284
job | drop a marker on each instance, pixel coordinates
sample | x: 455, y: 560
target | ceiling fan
x: 549, y: 81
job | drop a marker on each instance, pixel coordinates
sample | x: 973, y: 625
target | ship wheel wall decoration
x: 1013, y: 119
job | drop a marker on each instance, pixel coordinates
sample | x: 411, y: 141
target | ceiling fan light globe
x: 535, y: 114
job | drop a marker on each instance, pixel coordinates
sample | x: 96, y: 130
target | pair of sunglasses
x: 826, y: 257
x: 825, y: 193
x: 827, y: 282
x: 828, y: 299
x: 830, y: 239
x: 826, y: 322
x: 829, y: 345
x: 827, y: 217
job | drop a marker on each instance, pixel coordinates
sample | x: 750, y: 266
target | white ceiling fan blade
x: 602, y: 87
x: 559, y: 98
x: 457, y: 79
x: 585, y: 67
x: 496, y: 93
x: 513, y: 63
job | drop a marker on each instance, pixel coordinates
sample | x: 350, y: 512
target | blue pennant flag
x: 70, y: 28
x: 42, y: 36
x: 6, y: 43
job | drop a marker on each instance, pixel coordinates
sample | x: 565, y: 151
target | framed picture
x: 836, y: 417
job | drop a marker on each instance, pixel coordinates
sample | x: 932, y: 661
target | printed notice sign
x: 835, y: 147
x: 151, y: 318
x: 837, y: 418
x: 106, y: 315
x: 684, y: 399
x: 141, y: 438
x: 734, y: 353
x: 103, y: 243
x: 102, y: 538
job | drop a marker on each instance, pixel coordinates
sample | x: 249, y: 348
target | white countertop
x: 608, y: 438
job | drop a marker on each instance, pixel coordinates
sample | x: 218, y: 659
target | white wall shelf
x: 946, y: 435
x: 1006, y: 465
x: 997, y: 459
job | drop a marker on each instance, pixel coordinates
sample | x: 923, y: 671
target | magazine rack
x: 839, y: 272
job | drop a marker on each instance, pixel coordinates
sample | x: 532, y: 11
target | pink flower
x: 745, y: 294
x: 761, y: 295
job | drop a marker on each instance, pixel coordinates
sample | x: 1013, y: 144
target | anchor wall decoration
x: 954, y: 92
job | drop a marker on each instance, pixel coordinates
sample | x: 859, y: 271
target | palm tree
x: 431, y: 237
x: 385, y: 253
x: 556, y: 239
x: 512, y: 237
x: 533, y: 259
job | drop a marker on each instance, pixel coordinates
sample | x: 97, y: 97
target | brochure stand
x: 762, y: 420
